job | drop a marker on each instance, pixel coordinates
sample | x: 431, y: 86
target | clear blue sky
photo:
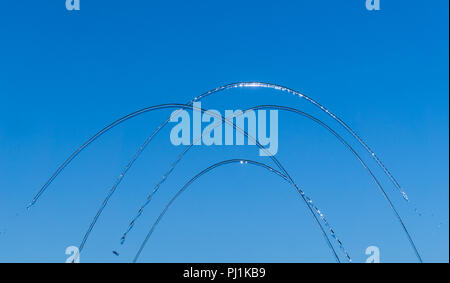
x: 66, y: 74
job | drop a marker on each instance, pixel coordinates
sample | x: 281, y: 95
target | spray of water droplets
x: 203, y: 172
x: 183, y: 106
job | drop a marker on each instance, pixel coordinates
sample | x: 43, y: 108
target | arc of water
x: 219, y: 89
x: 312, y: 118
x: 177, y: 106
x: 283, y: 89
x: 192, y: 180
x: 322, y: 108
x: 308, y: 201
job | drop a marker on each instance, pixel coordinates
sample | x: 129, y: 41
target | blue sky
x: 66, y: 74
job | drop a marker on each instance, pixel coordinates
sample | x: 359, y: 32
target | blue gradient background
x: 66, y: 74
